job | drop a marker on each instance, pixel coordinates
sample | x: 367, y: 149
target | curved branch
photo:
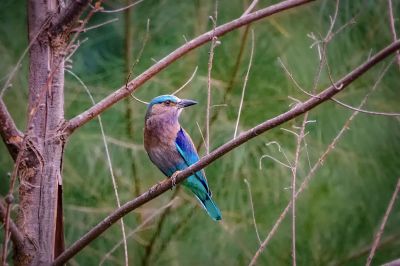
x: 9, y: 132
x: 165, y: 185
x: 127, y: 89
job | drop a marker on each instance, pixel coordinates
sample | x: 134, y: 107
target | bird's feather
x: 185, y: 147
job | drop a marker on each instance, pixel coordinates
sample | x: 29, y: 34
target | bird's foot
x: 173, y: 177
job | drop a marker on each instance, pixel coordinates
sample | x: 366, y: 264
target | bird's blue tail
x: 210, y: 207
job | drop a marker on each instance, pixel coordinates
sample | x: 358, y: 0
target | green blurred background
x: 339, y: 213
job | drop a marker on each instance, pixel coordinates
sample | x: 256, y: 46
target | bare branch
x: 252, y: 210
x: 186, y: 83
x: 167, y: 184
x: 250, y: 8
x: 363, y: 110
x: 245, y: 84
x: 100, y: 24
x: 383, y: 224
x: 124, y: 91
x: 9, y: 132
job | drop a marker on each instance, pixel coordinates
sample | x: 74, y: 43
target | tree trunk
x: 40, y: 213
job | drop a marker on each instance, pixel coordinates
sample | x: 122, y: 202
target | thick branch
x: 165, y: 185
x: 16, y: 236
x: 124, y: 91
x: 11, y: 136
x: 69, y: 16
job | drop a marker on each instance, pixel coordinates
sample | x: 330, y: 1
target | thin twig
x: 167, y: 184
x: 210, y: 65
x: 392, y: 27
x: 74, y: 48
x: 252, y: 210
x: 274, y: 159
x: 250, y: 8
x: 186, y: 83
x: 122, y: 8
x: 245, y: 84
x: 139, y: 100
x: 362, y: 110
x: 100, y: 24
x: 139, y: 56
x: 110, y: 167
x: 383, y: 224
x: 201, y: 134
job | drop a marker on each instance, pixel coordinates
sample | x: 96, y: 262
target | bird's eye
x: 167, y: 102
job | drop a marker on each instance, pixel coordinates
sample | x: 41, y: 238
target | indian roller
x: 171, y: 149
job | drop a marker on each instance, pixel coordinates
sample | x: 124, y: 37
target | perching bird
x: 171, y: 149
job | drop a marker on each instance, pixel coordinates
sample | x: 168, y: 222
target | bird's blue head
x: 167, y: 105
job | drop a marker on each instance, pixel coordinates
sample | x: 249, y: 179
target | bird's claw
x: 173, y: 177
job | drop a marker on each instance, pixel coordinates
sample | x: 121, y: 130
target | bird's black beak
x: 185, y: 103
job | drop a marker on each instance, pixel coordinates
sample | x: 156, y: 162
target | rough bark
x: 40, y: 169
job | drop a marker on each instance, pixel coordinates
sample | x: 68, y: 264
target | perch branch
x: 165, y: 185
x: 124, y: 91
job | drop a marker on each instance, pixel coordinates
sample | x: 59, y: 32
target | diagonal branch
x: 165, y: 185
x: 10, y: 134
x: 127, y: 89
x: 69, y: 16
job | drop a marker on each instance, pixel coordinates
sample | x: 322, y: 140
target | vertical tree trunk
x: 39, y: 218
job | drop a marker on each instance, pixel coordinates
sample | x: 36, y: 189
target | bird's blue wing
x: 188, y: 152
